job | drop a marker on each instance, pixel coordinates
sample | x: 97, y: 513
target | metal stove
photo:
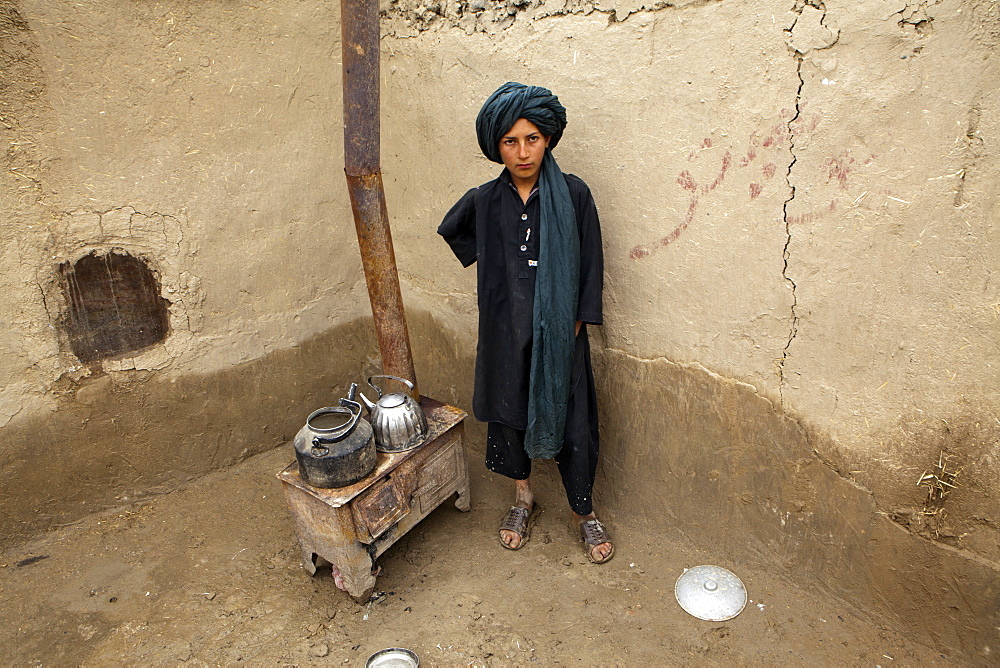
x: 351, y: 526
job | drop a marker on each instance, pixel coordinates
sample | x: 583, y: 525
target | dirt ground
x: 210, y: 574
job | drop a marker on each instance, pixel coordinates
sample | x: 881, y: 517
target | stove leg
x: 463, y: 502
x: 365, y: 596
x: 464, y: 499
x: 356, y: 568
x: 309, y: 560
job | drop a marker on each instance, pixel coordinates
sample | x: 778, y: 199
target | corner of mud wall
x: 799, y: 312
x: 685, y: 450
x: 203, y: 142
x: 444, y: 356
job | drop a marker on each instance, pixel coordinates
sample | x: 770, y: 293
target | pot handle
x: 344, y: 431
x: 408, y: 384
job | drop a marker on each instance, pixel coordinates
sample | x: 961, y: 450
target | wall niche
x: 113, y: 305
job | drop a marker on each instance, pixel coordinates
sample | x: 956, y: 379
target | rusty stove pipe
x: 360, y: 53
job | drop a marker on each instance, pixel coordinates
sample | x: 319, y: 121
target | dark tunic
x: 490, y: 224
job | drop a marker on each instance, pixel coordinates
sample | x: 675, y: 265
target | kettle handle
x: 408, y: 384
x: 343, y: 431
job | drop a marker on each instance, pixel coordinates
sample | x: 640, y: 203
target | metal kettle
x: 332, y: 451
x: 397, y: 419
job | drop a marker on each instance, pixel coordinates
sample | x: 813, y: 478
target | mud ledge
x: 118, y: 436
x: 683, y: 450
x: 686, y: 448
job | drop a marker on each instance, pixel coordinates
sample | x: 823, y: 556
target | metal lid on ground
x: 393, y: 657
x: 711, y: 593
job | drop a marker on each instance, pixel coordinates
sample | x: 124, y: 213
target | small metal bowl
x: 393, y: 657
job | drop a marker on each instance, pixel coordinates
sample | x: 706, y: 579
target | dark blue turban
x: 557, y: 281
x: 513, y: 101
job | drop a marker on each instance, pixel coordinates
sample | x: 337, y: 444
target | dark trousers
x: 577, y: 461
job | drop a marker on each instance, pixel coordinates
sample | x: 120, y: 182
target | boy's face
x: 522, y: 149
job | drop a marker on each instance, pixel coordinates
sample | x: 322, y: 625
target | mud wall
x: 797, y: 200
x: 799, y: 196
x: 206, y: 142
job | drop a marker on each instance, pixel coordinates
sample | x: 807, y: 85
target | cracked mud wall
x: 783, y: 194
x: 892, y: 252
x: 796, y: 195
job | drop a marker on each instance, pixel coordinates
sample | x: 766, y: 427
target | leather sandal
x: 518, y: 520
x: 593, y: 533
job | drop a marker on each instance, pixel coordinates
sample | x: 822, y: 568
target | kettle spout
x: 364, y: 400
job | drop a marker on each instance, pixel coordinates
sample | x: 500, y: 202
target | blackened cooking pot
x: 336, y: 447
